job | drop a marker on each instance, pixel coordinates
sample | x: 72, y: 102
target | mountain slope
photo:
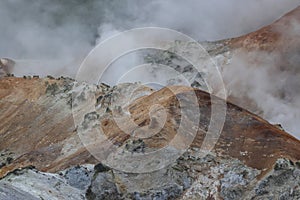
x: 37, y: 129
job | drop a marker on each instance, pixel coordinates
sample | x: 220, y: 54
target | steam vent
x: 55, y: 144
x: 6, y: 66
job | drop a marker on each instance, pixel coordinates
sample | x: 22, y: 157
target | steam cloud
x: 265, y: 88
x: 53, y: 37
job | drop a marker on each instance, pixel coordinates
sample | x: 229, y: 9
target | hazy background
x: 52, y: 37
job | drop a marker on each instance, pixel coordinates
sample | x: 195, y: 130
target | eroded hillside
x: 37, y: 130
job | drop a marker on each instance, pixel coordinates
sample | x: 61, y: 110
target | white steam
x: 53, y: 37
x: 258, y: 82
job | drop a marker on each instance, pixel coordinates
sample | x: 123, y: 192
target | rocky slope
x: 260, y: 70
x: 61, y: 139
x: 279, y: 36
x: 43, y: 156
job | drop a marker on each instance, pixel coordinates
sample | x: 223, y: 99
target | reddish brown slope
x: 282, y: 35
x: 37, y: 128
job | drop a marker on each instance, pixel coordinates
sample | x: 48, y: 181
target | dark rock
x: 101, y: 168
x: 102, y: 188
x: 50, y: 77
x: 52, y: 89
x: 165, y: 193
x: 79, y: 177
x: 283, y: 164
x: 136, y: 146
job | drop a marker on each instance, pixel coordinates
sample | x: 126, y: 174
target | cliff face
x: 61, y: 139
x: 37, y: 129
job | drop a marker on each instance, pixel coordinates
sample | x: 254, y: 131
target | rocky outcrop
x: 47, y: 141
x: 38, y: 130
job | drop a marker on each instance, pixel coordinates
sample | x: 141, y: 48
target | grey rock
x: 33, y: 184
x: 79, y: 177
x: 282, y: 183
x: 9, y: 192
x: 102, y: 188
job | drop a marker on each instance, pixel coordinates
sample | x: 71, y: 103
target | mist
x: 267, y: 82
x: 54, y: 37
x: 264, y: 88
